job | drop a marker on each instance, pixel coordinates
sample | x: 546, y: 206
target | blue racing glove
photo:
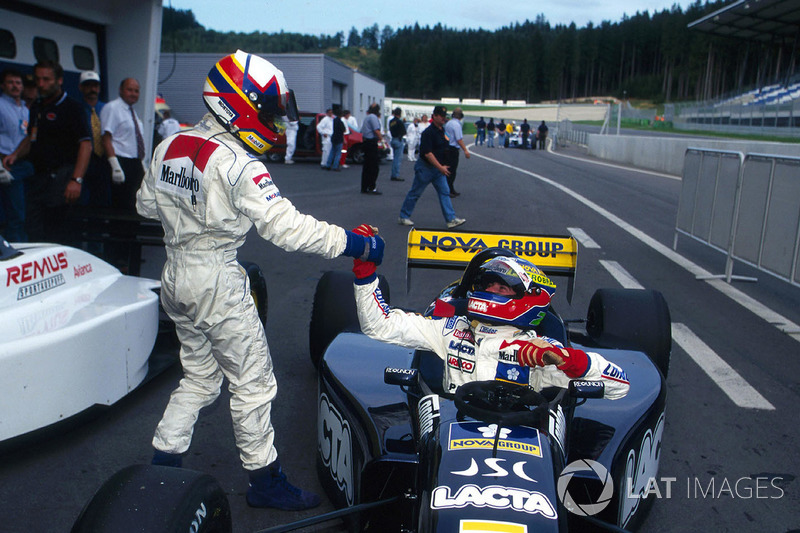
x: 365, y: 244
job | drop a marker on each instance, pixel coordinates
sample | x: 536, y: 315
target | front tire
x: 157, y: 499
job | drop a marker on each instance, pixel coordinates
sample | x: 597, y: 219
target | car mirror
x: 401, y: 376
x: 580, y: 388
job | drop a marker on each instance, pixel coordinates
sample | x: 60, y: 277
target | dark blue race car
x: 493, y: 456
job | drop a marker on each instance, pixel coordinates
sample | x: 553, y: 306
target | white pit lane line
x: 621, y: 275
x: 732, y: 384
x: 782, y: 323
x: 583, y: 238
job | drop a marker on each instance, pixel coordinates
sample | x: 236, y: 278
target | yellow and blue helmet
x: 249, y: 96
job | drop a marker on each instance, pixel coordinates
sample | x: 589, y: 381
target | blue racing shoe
x: 167, y: 459
x: 270, y: 488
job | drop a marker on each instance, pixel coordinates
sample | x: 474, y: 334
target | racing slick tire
x: 632, y: 319
x: 334, y: 310
x: 258, y: 288
x: 157, y: 499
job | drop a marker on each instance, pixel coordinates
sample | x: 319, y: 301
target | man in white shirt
x: 169, y: 126
x: 325, y: 130
x: 352, y: 123
x: 124, y: 145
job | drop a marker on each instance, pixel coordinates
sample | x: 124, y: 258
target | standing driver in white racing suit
x: 208, y: 190
x: 496, y: 340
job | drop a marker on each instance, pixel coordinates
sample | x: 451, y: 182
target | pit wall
x: 665, y: 154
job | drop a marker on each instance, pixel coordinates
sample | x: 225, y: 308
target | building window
x: 83, y: 57
x: 45, y: 49
x: 8, y: 46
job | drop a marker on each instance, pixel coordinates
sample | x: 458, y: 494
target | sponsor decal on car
x: 478, y: 435
x: 639, y: 471
x: 428, y: 414
x: 334, y: 441
x: 493, y: 467
x: 513, y: 373
x: 558, y: 427
x: 82, y: 270
x: 490, y: 526
x: 39, y: 287
x: 494, y: 497
x: 39, y: 273
x: 547, y: 250
x: 38, y: 268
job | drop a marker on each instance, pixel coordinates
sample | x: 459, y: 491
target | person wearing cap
x: 124, y: 145
x: 96, y: 190
x: 431, y: 168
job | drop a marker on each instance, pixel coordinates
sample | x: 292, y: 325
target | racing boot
x: 270, y: 488
x: 167, y: 459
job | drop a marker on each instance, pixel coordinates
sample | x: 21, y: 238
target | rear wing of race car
x: 555, y: 255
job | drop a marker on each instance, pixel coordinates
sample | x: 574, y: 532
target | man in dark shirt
x: 337, y: 142
x: 525, y: 129
x: 542, y: 137
x: 58, y: 144
x: 429, y: 168
x: 398, y: 131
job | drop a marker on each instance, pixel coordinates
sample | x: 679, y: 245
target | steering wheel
x: 499, y: 403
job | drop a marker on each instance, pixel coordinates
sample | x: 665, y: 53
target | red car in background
x: 309, y: 143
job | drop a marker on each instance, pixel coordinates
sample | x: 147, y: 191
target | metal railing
x: 745, y: 206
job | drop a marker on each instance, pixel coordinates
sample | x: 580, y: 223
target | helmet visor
x: 275, y: 111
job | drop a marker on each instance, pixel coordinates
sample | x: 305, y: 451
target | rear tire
x: 258, y: 289
x: 156, y: 499
x: 632, y: 319
x: 334, y: 310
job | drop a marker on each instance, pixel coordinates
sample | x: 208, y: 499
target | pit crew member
x: 496, y: 340
x: 208, y: 189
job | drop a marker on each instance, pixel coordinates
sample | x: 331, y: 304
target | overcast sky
x: 328, y: 17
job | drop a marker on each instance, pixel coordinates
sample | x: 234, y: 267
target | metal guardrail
x: 745, y: 206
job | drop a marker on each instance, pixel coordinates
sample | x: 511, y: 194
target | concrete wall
x: 665, y: 154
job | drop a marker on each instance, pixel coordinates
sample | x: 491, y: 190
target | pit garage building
x: 319, y: 82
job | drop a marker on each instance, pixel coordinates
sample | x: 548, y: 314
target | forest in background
x: 653, y: 57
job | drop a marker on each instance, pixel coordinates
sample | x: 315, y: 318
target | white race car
x: 74, y: 333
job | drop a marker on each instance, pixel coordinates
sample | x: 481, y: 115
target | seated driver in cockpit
x: 496, y: 340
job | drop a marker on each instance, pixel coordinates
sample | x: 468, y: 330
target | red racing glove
x: 574, y: 363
